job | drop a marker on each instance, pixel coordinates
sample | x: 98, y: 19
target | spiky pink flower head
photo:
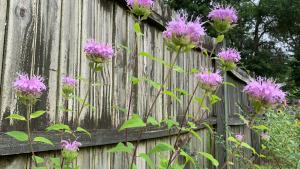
x: 142, y: 3
x: 229, y: 55
x: 98, y: 52
x: 223, y: 13
x: 209, y: 81
x: 265, y: 91
x: 239, y: 137
x: 69, y: 81
x: 187, y: 31
x: 25, y: 85
x: 265, y: 136
x: 69, y: 145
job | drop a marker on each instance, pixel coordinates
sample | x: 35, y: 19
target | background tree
x: 267, y: 34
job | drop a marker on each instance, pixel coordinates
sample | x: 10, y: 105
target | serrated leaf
x: 137, y: 29
x: 172, y: 95
x: 134, y: 122
x: 181, y: 91
x: 80, y: 129
x: 58, y: 127
x: 187, y: 157
x: 151, y: 120
x: 43, y: 140
x: 232, y: 139
x: 194, y: 70
x: 16, y: 117
x: 154, y: 84
x: 148, y: 160
x: 161, y: 147
x: 18, y: 135
x: 178, y: 69
x: 134, y: 80
x: 56, y: 162
x: 210, y: 158
x: 245, y: 145
x: 214, y: 99
x: 37, y: 114
x: 196, y: 135
x: 121, y: 147
x: 229, y: 84
x: 170, y: 123
x: 261, y: 127
x: 219, y: 39
x: 211, y: 131
x: 38, y: 159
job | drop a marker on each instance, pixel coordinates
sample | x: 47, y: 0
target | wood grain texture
x: 46, y: 37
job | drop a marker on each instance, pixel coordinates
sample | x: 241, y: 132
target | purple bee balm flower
x: 142, y: 3
x: 189, y: 32
x: 265, y: 91
x: 223, y: 13
x: 229, y: 55
x: 210, y: 81
x: 239, y: 137
x: 69, y: 145
x: 265, y: 136
x: 69, y: 81
x: 26, y: 85
x: 98, y: 52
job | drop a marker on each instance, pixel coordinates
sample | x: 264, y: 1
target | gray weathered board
x: 46, y: 37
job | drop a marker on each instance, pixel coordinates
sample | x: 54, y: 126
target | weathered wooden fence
x: 46, y: 37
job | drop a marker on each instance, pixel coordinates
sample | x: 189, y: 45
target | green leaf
x: 137, y: 29
x: 247, y: 146
x: 232, y: 139
x: 187, y: 157
x: 211, y: 131
x: 18, y: 135
x: 133, y: 166
x: 196, y: 135
x: 43, y: 140
x: 79, y: 129
x: 121, y: 147
x: 38, y: 159
x: 154, y: 84
x: 16, y: 117
x: 40, y: 168
x: 148, y: 160
x: 134, y: 122
x: 214, y: 99
x: 37, y: 114
x: 134, y: 80
x: 58, y: 127
x: 172, y: 95
x: 219, y: 39
x: 194, y: 70
x: 205, y: 53
x: 178, y: 69
x: 181, y: 91
x: 161, y: 147
x: 56, y: 162
x: 151, y: 120
x: 229, y: 84
x: 210, y: 157
x: 170, y: 123
x: 261, y: 127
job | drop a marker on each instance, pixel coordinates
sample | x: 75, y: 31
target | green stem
x: 153, y: 103
x: 30, y: 140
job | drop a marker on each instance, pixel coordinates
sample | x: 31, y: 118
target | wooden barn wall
x: 46, y: 37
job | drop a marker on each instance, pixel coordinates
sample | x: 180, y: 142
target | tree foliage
x: 267, y: 34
